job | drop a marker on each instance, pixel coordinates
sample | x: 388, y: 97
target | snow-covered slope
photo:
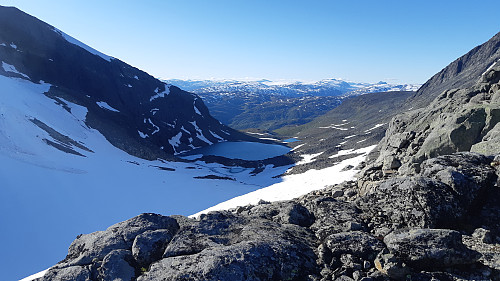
x: 133, y: 110
x: 60, y: 178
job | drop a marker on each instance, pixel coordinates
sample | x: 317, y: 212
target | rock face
x: 425, y: 225
x: 462, y: 73
x: 457, y: 120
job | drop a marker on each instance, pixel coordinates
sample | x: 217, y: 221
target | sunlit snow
x: 10, y: 68
x: 52, y: 196
x: 35, y: 276
x: 374, y: 127
x: 105, y: 105
x: 81, y: 45
x: 308, y: 158
x: 159, y: 94
x: 294, y: 186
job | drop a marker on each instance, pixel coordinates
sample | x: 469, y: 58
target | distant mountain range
x: 270, y: 105
x: 87, y: 140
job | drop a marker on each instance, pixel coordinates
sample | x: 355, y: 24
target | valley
x: 108, y: 173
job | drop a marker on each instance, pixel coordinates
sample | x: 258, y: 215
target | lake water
x: 240, y: 150
x: 291, y: 140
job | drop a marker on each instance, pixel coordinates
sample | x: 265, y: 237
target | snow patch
x: 216, y: 136
x: 105, y: 105
x: 154, y: 110
x: 13, y: 46
x: 159, y: 94
x: 10, y: 68
x: 195, y: 108
x: 143, y: 135
x: 157, y: 129
x: 35, y: 276
x: 336, y: 126
x: 175, y: 141
x: 83, y: 46
x: 490, y: 67
x: 199, y: 133
x: 308, y: 158
x: 294, y: 186
x: 136, y: 78
x: 349, y: 151
x: 374, y: 127
x: 297, y: 147
x: 186, y: 131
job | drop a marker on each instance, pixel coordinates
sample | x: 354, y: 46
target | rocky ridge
x: 436, y: 218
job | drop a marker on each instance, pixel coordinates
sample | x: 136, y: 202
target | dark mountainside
x: 462, y: 73
x: 366, y: 111
x: 356, y: 123
x: 134, y: 111
x: 427, y: 209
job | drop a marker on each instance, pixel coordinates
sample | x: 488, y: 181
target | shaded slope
x: 135, y: 111
x: 461, y: 73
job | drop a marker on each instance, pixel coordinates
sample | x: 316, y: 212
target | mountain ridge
x: 437, y: 218
x: 148, y: 114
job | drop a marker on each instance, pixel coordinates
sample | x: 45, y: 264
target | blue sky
x: 365, y: 41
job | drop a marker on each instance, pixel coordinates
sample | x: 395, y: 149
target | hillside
x: 461, y: 73
x: 134, y: 111
x: 426, y: 209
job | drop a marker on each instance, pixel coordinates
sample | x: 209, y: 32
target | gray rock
x: 489, y: 145
x: 337, y: 193
x: 332, y: 216
x: 119, y: 236
x: 71, y: 273
x: 243, y: 261
x: 389, y: 265
x: 449, y: 189
x: 356, y: 243
x: 227, y: 246
x: 410, y: 202
x: 391, y: 163
x: 430, y: 248
x: 283, y: 212
x: 482, y: 235
x: 150, y: 245
x: 115, y: 266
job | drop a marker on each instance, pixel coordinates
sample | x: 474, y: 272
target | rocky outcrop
x: 457, y: 120
x: 462, y: 73
x: 427, y: 209
x: 424, y: 225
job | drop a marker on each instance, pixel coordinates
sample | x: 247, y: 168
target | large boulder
x: 108, y: 253
x: 458, y: 120
x: 430, y: 248
x: 228, y: 246
x: 448, y: 190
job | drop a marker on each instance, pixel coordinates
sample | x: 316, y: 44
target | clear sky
x: 364, y: 40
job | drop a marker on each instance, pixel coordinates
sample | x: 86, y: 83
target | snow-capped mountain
x: 270, y: 105
x: 326, y: 87
x: 133, y: 110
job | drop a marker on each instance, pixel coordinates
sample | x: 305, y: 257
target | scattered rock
x: 116, y: 266
x: 430, y: 248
